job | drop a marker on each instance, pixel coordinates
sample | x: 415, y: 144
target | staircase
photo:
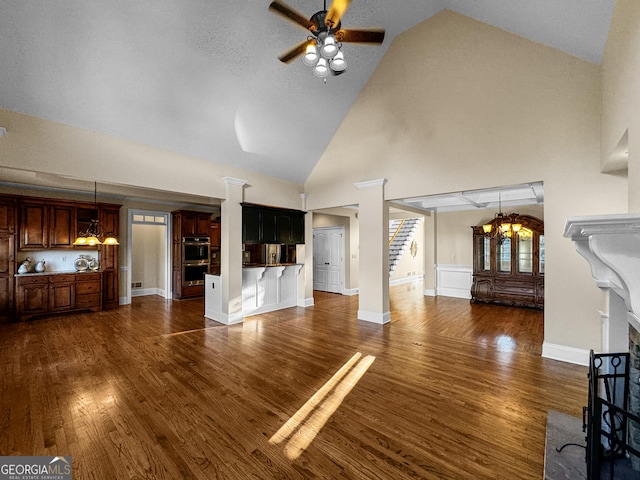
x: 400, y: 235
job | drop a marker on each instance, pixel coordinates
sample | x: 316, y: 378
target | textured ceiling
x: 202, y: 77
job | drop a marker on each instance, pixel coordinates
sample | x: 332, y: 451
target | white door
x: 328, y: 259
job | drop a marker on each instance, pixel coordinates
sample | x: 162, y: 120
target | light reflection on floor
x: 302, y: 428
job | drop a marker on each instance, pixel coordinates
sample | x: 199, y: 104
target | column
x: 231, y: 251
x: 304, y: 253
x: 374, y: 253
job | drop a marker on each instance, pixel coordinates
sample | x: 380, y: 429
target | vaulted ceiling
x: 201, y: 77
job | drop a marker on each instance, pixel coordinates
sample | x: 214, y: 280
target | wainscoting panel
x: 454, y: 280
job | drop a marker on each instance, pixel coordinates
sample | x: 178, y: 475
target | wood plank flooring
x: 153, y: 390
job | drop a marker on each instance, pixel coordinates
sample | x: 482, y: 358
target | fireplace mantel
x: 611, y: 245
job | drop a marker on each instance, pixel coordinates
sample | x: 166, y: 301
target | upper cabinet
x: 192, y: 224
x: 262, y: 224
x: 45, y: 225
x: 510, y: 271
x: 52, y: 224
x: 34, y: 225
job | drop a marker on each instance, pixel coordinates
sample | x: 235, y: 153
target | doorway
x: 149, y: 254
x: 328, y: 259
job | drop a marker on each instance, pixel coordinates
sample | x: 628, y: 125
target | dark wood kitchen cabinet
x: 192, y: 224
x: 109, y: 216
x: 8, y: 223
x: 43, y: 225
x: 187, y: 223
x: 262, y: 224
x: 57, y: 292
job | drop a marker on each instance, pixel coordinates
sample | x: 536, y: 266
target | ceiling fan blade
x: 374, y: 36
x: 335, y: 13
x: 280, y: 8
x: 293, y: 53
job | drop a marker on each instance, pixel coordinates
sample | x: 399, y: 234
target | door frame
x: 341, y: 230
x: 167, y: 254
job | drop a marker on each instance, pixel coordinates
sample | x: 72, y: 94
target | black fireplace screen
x: 613, y: 432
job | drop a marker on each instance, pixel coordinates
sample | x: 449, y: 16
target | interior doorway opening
x: 149, y: 254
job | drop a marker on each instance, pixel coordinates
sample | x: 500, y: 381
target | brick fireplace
x: 611, y: 245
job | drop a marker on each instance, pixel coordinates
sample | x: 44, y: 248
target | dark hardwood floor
x: 153, y: 390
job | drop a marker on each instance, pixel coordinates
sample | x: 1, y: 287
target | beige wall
x: 621, y: 96
x: 459, y: 105
x: 47, y: 147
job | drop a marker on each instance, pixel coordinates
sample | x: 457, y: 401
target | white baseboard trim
x: 429, y: 292
x: 374, y: 317
x: 411, y: 279
x: 141, y: 292
x: 124, y: 301
x: 351, y: 291
x: 227, y: 319
x: 553, y: 351
x: 305, y: 302
x: 454, y: 292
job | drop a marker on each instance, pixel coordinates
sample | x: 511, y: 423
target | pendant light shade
x: 310, y: 58
x: 338, y: 64
x: 321, y: 69
x: 329, y: 47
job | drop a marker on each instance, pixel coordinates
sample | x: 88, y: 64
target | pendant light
x: 91, y: 236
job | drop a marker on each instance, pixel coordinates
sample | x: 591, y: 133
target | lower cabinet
x: 53, y: 293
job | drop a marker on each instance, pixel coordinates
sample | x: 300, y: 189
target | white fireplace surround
x: 611, y: 245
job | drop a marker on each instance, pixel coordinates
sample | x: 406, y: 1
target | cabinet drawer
x: 88, y: 300
x: 65, y: 278
x: 88, y: 287
x: 85, y: 277
x: 32, y: 280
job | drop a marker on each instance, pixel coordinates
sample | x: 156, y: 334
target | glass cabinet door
x: 504, y: 256
x: 524, y: 251
x: 484, y: 254
x: 541, y: 264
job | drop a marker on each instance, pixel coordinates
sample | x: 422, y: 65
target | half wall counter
x: 265, y: 288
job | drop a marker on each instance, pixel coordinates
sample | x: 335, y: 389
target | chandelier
x: 503, y: 226
x: 92, y: 235
x: 323, y: 52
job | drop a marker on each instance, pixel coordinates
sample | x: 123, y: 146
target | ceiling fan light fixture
x: 329, y: 48
x: 321, y: 69
x: 338, y: 63
x: 311, y: 56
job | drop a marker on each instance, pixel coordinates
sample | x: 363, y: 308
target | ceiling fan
x: 322, y: 47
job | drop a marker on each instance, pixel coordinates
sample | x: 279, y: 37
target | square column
x: 304, y: 253
x: 231, y: 251
x: 374, y: 253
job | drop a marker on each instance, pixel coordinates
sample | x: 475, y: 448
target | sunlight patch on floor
x: 302, y: 428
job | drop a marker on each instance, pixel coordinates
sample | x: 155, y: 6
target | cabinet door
x: 284, y: 228
x: 189, y: 224
x: 7, y: 215
x: 61, y: 297
x: 32, y: 299
x: 215, y: 234
x: 269, y: 222
x: 297, y: 228
x: 203, y: 225
x: 251, y: 225
x: 33, y: 226
x: 7, y: 269
x: 62, y: 226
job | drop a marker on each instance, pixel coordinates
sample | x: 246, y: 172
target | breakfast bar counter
x: 265, y: 288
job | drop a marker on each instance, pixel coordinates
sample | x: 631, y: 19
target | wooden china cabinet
x: 509, y: 272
